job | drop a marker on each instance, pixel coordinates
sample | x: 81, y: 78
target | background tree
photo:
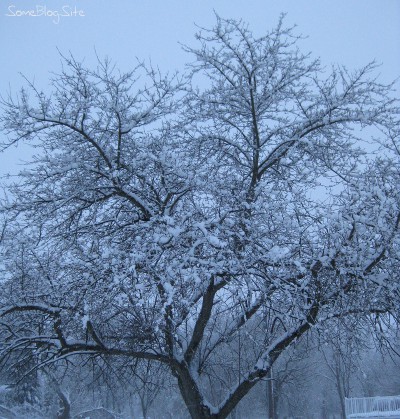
x: 152, y: 231
x: 151, y: 379
x: 341, y: 353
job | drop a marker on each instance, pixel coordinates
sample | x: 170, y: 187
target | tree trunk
x: 144, y: 407
x: 271, y: 396
x: 64, y: 410
x: 191, y: 394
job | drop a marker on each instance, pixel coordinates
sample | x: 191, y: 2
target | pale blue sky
x: 350, y: 32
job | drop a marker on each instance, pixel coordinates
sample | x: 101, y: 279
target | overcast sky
x: 349, y: 32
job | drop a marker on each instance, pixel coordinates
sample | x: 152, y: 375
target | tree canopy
x: 204, y: 227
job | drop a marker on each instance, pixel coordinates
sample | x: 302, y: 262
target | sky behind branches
x: 349, y: 32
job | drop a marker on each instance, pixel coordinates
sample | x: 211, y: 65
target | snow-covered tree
x: 206, y: 228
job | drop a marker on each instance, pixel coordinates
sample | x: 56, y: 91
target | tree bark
x: 191, y: 394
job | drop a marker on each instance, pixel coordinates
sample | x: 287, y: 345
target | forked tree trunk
x: 193, y: 399
x: 191, y: 395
